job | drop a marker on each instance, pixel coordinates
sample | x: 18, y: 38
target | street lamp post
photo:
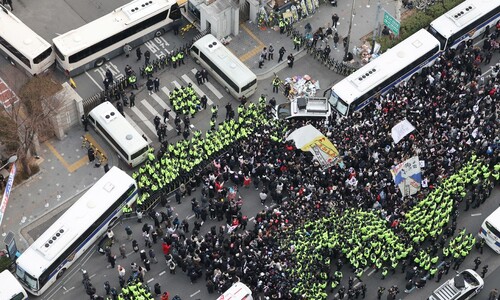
x: 349, y: 31
x: 375, y: 31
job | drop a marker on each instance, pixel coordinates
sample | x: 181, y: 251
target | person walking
x: 477, y: 262
x: 166, y: 115
x: 157, y: 84
x: 147, y: 56
x: 336, y: 40
x: 290, y: 60
x: 276, y: 84
x: 138, y: 52
x: 484, y: 271
x: 132, y: 99
x: 112, y: 260
x: 150, y: 85
x: 281, y: 52
x: 335, y: 20
x: 204, y: 75
x: 123, y: 252
x: 152, y: 255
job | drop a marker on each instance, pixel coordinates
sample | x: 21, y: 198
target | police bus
x: 75, y: 231
x: 129, y: 145
x: 490, y: 230
x: 10, y: 288
x: 96, y: 42
x: 230, y: 72
x: 377, y: 78
x: 238, y: 291
x: 21, y: 46
x: 467, y: 20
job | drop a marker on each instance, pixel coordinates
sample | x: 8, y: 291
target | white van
x: 10, y: 288
x: 464, y: 286
x: 238, y: 291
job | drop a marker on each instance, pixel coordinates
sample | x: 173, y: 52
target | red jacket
x: 166, y: 248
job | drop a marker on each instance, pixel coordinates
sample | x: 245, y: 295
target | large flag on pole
x: 408, y: 176
x: 400, y: 130
x: 308, y: 138
x: 6, y: 193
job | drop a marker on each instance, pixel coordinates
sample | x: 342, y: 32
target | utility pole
x: 375, y: 31
x: 349, y: 31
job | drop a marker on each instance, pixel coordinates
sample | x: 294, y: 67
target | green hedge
x: 5, y: 263
x: 418, y: 20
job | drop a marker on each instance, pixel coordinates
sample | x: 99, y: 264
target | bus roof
x: 10, y: 285
x: 225, y: 59
x: 20, y: 36
x: 118, y: 127
x: 387, y: 64
x: 462, y: 15
x: 108, y: 25
x: 79, y: 216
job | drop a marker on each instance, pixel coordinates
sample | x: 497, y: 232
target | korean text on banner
x: 408, y: 176
x: 400, y: 130
x: 8, y: 188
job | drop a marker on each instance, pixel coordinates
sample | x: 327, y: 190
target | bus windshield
x: 337, y: 103
x: 140, y: 152
x: 284, y: 111
x: 29, y: 280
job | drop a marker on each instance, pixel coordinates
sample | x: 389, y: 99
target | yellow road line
x: 79, y: 163
x: 256, y: 49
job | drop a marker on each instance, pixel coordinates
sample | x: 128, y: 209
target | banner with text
x: 6, y: 193
x: 400, y: 130
x: 308, y: 138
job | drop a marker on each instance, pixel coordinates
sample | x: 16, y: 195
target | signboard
x: 391, y: 23
x: 8, y: 188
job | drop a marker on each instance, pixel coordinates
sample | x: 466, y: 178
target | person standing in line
x: 204, y: 75
x: 281, y: 53
x: 157, y: 84
x: 270, y: 53
x: 290, y: 59
x: 138, y: 52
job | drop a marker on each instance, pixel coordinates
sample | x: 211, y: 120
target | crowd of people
x: 185, y: 101
x: 323, y: 218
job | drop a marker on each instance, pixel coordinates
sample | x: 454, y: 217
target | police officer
x: 281, y: 53
x: 276, y: 84
x: 132, y: 99
x: 85, y: 122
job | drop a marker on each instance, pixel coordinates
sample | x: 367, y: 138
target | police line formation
x: 322, y: 219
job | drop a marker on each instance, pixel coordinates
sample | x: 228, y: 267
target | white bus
x: 10, y: 288
x: 490, y: 230
x: 75, y: 231
x: 396, y: 65
x: 92, y: 44
x: 230, y: 72
x: 466, y: 21
x: 238, y: 291
x: 119, y: 133
x: 22, y: 46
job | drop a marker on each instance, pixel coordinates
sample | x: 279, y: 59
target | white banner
x: 400, y: 130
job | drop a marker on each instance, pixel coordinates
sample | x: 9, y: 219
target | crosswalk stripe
x: 131, y: 121
x: 177, y: 85
x: 212, y: 88
x: 145, y: 120
x: 197, y: 89
x: 154, y: 111
x: 164, y: 105
x: 166, y: 91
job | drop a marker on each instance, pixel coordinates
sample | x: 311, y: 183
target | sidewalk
x: 60, y: 163
x: 252, y: 39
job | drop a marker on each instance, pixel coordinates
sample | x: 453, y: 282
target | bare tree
x: 24, y: 122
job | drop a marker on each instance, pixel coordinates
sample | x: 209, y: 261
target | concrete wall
x: 71, y: 111
x: 223, y: 17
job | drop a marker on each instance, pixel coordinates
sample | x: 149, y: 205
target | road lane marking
x: 190, y: 217
x: 150, y: 280
x: 95, y: 82
x: 161, y: 273
x: 177, y: 85
x: 154, y: 112
x: 195, y: 293
x: 210, y: 86
x: 475, y: 215
x: 68, y: 290
x: 373, y: 271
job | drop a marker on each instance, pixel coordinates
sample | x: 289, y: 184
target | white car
x: 463, y: 286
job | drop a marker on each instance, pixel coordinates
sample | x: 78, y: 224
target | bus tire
x: 99, y: 62
x: 159, y: 32
x: 112, y: 223
x: 60, y: 273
